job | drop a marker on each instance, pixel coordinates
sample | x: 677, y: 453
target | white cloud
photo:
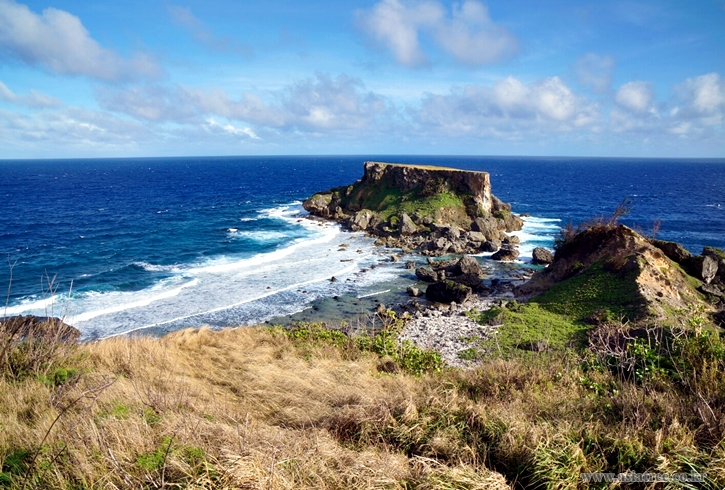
x: 58, y: 42
x: 229, y: 129
x: 468, y: 34
x: 637, y: 97
x: 595, y: 71
x: 32, y: 99
x: 471, y: 37
x: 508, y: 109
x: 320, y: 103
x: 396, y: 26
x: 703, y: 97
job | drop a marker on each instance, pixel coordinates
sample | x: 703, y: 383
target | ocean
x: 152, y: 245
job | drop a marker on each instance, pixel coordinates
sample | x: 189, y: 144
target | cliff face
x: 433, y: 209
x: 408, y: 178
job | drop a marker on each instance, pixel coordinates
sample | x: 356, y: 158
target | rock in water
x: 541, y: 256
x: 426, y: 274
x: 413, y: 291
x: 469, y: 265
x: 449, y: 203
x: 506, y: 253
x: 448, y: 291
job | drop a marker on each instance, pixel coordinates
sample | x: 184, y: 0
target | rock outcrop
x: 436, y: 210
x: 625, y: 274
x: 541, y: 256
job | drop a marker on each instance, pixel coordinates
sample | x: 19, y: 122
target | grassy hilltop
x: 618, y: 366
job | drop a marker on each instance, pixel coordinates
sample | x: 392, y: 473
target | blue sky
x: 562, y: 77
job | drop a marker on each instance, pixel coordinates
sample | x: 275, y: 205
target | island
x: 435, y: 210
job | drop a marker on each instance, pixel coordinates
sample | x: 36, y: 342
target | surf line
x: 373, y: 294
x: 222, y: 308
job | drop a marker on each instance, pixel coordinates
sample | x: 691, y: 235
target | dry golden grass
x: 237, y: 408
x: 261, y: 409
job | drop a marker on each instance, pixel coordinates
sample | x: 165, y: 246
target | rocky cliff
x: 612, y: 272
x: 433, y: 209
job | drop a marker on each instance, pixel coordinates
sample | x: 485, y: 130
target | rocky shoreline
x: 434, y: 212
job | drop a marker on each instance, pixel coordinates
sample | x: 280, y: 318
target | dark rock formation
x: 436, y: 210
x: 541, y: 256
x: 448, y: 291
x: 47, y: 329
x: 427, y: 274
x: 506, y: 253
x: 465, y: 270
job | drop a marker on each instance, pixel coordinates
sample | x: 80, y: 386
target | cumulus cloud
x: 510, y: 108
x: 595, y: 71
x: 58, y: 42
x: 212, y: 125
x: 74, y: 130
x: 637, y: 97
x: 703, y: 98
x: 320, y: 103
x: 468, y: 34
x: 32, y: 99
x: 183, y: 17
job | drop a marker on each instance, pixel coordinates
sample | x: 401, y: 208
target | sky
x: 621, y: 78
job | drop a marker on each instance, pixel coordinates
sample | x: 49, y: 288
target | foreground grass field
x: 311, y: 408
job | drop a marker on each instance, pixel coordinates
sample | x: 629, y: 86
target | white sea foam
x: 536, y: 232
x: 375, y: 293
x: 258, y: 235
x: 125, y: 301
x: 231, y: 290
x: 157, y: 268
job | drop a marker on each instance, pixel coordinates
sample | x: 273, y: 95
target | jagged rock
x: 447, y: 291
x: 407, y: 227
x: 413, y: 291
x: 506, y: 253
x: 426, y: 274
x: 476, y: 236
x: 624, y: 260
x: 452, y: 232
x: 708, y: 269
x: 674, y: 251
x: 490, y: 246
x: 441, y: 245
x: 487, y: 226
x: 435, y: 230
x: 469, y: 265
x: 541, y: 256
x: 512, y: 240
x: 410, y: 265
x: 318, y: 204
x: 361, y: 220
x: 710, y: 289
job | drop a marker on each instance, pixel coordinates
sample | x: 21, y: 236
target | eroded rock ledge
x: 435, y: 210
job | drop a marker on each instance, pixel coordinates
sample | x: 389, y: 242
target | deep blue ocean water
x: 172, y: 242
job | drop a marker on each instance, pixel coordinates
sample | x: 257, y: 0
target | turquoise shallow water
x: 164, y: 243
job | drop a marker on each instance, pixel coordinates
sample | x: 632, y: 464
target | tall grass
x: 312, y: 408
